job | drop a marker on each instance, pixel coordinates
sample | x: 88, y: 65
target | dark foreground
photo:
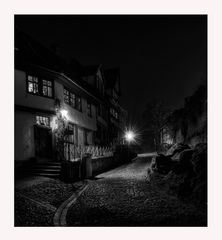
x: 124, y: 197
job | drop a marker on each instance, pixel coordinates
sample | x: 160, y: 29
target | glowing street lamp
x: 129, y: 136
x: 64, y: 113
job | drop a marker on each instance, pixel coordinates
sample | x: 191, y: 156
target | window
x: 47, y: 88
x: 114, y: 113
x: 66, y: 96
x: 78, y: 103
x: 40, y: 86
x: 69, y: 136
x: 89, y: 109
x: 33, y: 84
x: 43, y: 121
x: 72, y: 99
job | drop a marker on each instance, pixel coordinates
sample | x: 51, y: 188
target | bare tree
x: 154, y: 116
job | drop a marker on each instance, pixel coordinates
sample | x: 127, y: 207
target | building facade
x: 44, y: 85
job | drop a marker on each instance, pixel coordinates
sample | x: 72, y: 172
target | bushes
x: 176, y: 149
x: 163, y: 164
x: 186, y: 177
x: 199, y: 181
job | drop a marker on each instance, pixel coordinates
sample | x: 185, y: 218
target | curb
x: 59, y: 219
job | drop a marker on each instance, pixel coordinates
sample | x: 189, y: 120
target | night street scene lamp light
x: 64, y: 113
x: 129, y: 136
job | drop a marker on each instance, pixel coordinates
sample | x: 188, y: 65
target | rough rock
x: 184, y: 163
x: 187, y: 177
x: 163, y: 164
x: 199, y: 181
x: 176, y: 149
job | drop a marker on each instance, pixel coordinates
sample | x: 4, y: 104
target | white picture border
x: 213, y: 10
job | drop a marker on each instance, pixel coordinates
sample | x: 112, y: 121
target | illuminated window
x: 43, y: 121
x: 66, y: 96
x: 47, y: 88
x: 39, y: 86
x: 33, y: 84
x: 73, y: 100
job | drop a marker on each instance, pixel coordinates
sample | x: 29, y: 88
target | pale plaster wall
x: 24, y: 135
x: 22, y: 98
x: 24, y: 121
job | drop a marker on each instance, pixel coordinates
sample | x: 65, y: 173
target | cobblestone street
x: 124, y: 197
x: 37, y: 198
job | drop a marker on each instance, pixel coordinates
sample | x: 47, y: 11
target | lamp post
x: 129, y: 137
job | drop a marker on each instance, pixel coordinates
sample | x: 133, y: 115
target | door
x: 69, y: 151
x: 43, y: 142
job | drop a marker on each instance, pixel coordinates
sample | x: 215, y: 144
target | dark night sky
x: 158, y: 56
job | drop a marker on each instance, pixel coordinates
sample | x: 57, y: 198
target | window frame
x: 68, y: 94
x: 28, y: 81
x: 72, y: 99
x: 89, y: 109
x: 40, y: 85
x: 43, y: 117
x: 79, y: 103
x: 48, y: 87
x: 76, y: 105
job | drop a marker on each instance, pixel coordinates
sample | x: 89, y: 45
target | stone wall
x: 102, y: 164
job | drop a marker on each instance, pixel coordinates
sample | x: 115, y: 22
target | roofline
x: 63, y: 75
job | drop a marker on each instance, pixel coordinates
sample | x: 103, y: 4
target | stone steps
x: 47, y: 169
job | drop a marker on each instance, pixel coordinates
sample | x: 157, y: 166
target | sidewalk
x: 37, y: 199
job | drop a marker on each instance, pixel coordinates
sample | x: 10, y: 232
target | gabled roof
x: 30, y: 52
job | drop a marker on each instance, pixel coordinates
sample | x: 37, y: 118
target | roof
x: 30, y: 52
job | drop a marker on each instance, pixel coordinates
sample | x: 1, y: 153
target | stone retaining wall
x: 102, y: 164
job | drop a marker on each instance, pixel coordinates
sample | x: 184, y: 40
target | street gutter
x: 59, y: 219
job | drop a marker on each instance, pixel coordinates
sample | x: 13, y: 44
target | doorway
x: 43, y: 142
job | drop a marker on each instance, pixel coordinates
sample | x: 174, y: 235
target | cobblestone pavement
x: 124, y: 197
x: 37, y: 198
